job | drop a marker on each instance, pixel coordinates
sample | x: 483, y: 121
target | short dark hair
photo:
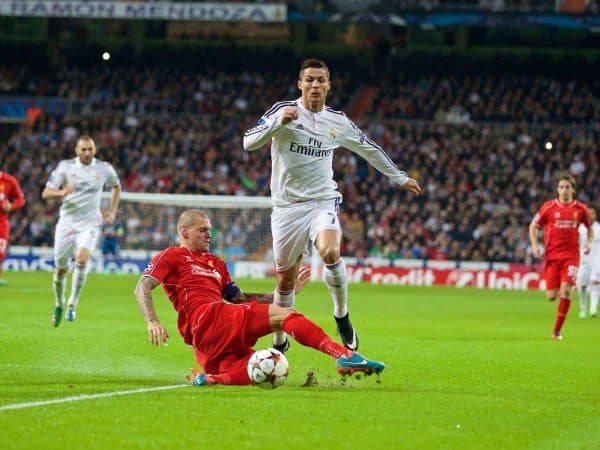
x: 313, y: 63
x: 567, y: 177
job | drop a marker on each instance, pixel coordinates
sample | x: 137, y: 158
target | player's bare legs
x: 284, y: 297
x: 82, y: 256
x: 328, y: 244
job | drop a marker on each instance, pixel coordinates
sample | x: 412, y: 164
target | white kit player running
x: 78, y: 182
x: 588, y: 276
x: 303, y: 134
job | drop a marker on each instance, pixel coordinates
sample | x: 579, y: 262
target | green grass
x: 467, y: 369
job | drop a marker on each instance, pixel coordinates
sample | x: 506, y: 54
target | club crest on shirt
x: 188, y: 258
x: 575, y: 215
x: 333, y: 133
x: 211, y: 264
x: 556, y: 215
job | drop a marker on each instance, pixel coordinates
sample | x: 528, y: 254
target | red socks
x: 310, y: 334
x: 561, y: 313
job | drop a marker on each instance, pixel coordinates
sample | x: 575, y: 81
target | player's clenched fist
x: 290, y: 113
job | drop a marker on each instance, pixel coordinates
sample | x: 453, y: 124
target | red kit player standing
x: 560, y: 219
x: 11, y: 198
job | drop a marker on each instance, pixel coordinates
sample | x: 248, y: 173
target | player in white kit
x: 78, y: 182
x: 303, y: 134
x: 588, y: 275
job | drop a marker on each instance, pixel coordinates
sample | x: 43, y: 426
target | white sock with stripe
x: 336, y: 279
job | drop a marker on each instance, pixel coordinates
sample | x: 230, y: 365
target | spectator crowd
x: 485, y: 149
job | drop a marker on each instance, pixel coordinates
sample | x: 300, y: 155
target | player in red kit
x: 11, y: 198
x: 560, y: 219
x: 219, y: 321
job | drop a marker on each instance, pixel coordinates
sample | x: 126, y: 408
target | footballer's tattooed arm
x: 233, y: 294
x: 143, y: 294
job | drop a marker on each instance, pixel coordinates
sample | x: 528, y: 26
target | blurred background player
x: 303, y: 135
x: 560, y: 219
x: 11, y: 198
x: 223, y: 333
x: 111, y: 235
x: 587, y: 261
x: 79, y: 182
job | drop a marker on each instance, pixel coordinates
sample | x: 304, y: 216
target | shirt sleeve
x: 357, y: 142
x: 160, y: 266
x: 57, y: 178
x: 586, y: 219
x: 112, y: 179
x: 264, y: 129
x: 541, y: 216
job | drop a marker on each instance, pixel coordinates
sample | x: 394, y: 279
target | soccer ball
x: 268, y: 368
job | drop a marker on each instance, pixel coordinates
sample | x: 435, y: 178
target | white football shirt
x: 302, y: 152
x: 83, y: 205
x: 593, y: 257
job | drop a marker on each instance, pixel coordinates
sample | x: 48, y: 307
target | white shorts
x: 68, y: 238
x: 295, y: 226
x: 583, y: 274
x: 595, y: 272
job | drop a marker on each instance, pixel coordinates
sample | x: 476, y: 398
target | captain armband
x: 231, y: 291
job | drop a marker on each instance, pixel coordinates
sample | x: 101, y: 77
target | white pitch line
x: 78, y: 398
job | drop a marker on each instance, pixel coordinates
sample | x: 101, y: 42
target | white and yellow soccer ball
x: 268, y: 368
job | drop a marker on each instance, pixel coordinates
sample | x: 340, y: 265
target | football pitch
x: 466, y: 369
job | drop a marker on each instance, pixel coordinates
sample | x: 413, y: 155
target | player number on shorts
x: 333, y: 217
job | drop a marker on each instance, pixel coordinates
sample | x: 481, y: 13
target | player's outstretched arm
x: 143, y: 294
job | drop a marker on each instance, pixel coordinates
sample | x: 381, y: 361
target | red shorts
x: 223, y: 334
x: 557, y: 271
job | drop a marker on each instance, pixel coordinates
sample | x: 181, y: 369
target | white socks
x: 77, y: 283
x: 58, y: 284
x: 336, y: 279
x: 286, y: 300
x: 594, y: 297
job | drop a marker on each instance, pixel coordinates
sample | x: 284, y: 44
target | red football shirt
x: 190, y: 280
x: 560, y: 223
x: 11, y: 191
